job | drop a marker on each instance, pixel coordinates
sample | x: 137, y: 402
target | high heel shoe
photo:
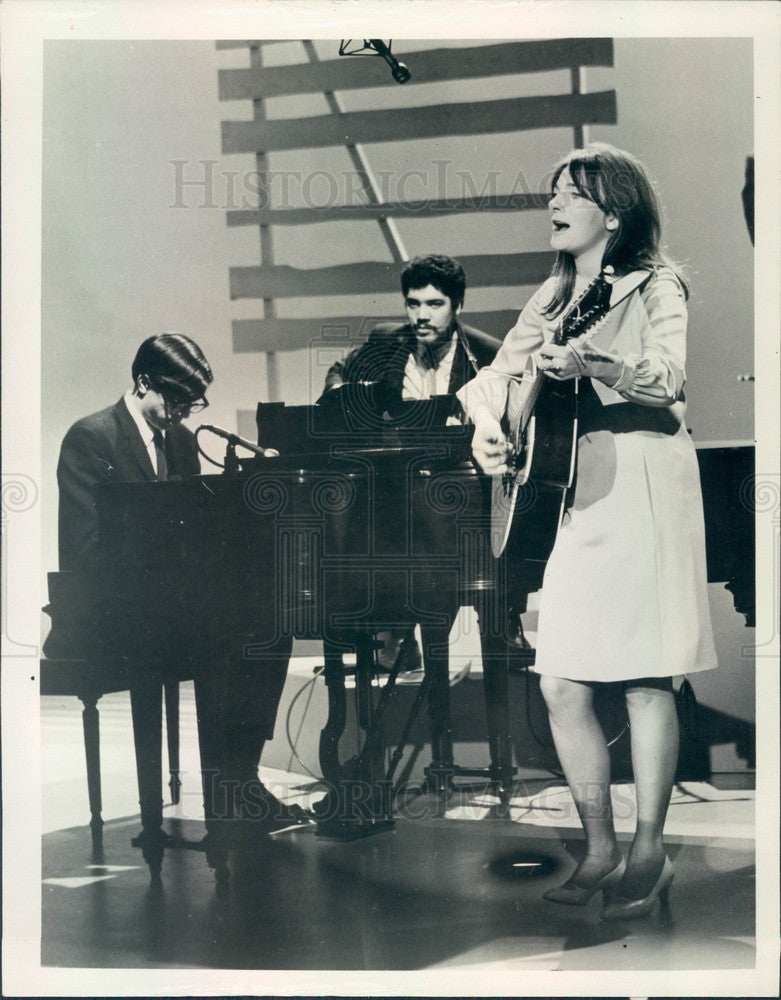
x: 572, y: 894
x: 620, y: 908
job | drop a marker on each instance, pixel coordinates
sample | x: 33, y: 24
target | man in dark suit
x: 138, y: 438
x: 432, y: 353
x: 141, y: 438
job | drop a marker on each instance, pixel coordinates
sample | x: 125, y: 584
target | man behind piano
x: 432, y: 354
x: 141, y: 438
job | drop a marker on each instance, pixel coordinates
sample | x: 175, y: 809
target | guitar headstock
x: 587, y: 310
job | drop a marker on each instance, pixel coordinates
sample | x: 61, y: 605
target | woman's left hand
x: 558, y: 361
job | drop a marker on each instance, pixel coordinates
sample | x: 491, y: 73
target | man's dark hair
x: 175, y: 362
x: 444, y: 273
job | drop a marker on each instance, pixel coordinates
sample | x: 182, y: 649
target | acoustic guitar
x: 541, y: 424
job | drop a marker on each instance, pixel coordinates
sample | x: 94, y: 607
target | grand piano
x: 370, y: 517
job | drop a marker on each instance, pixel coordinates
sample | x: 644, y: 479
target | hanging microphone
x: 399, y: 71
x: 234, y: 439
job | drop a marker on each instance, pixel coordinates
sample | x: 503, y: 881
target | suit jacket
x: 107, y: 446
x: 103, y: 447
x: 385, y: 355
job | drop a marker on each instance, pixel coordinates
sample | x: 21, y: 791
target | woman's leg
x: 582, y: 749
x: 653, y: 731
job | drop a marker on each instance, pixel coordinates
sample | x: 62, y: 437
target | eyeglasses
x: 176, y: 404
x: 181, y: 409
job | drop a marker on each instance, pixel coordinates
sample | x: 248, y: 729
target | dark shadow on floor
x: 424, y: 894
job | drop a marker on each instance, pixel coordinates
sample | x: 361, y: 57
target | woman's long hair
x: 617, y: 183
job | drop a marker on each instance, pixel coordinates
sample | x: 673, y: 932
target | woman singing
x: 624, y: 597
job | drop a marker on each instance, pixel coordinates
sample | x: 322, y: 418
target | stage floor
x: 433, y: 892
x: 449, y: 887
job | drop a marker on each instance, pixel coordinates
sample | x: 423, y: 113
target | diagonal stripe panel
x: 283, y: 281
x: 252, y: 335
x: 430, y: 66
x: 429, y: 121
x: 427, y: 208
x: 244, y: 43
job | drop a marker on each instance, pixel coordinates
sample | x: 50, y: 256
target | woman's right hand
x: 490, y: 447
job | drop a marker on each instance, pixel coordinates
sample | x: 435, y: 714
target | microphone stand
x: 399, y: 71
x: 230, y: 466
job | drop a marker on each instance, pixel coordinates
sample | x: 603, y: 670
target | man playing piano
x: 141, y: 438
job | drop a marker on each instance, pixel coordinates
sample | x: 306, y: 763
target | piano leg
x: 90, y: 718
x: 436, y: 662
x: 146, y: 703
x: 172, y: 737
x: 337, y: 712
x: 364, y: 672
x: 372, y: 753
x: 358, y: 802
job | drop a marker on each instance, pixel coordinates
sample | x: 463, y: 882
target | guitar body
x: 541, y: 423
x: 530, y: 507
x: 532, y: 530
x: 551, y: 435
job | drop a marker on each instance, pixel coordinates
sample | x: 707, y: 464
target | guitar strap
x: 623, y: 287
x: 620, y: 291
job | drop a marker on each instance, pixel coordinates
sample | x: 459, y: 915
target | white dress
x: 625, y: 592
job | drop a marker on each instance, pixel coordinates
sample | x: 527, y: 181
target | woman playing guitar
x: 624, y: 596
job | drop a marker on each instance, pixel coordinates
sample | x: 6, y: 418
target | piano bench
x: 89, y: 680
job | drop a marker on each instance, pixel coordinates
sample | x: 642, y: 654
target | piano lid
x: 361, y: 416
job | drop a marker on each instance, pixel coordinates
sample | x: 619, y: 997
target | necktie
x: 162, y: 464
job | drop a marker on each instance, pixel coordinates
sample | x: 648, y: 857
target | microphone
x: 234, y: 439
x: 399, y: 71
